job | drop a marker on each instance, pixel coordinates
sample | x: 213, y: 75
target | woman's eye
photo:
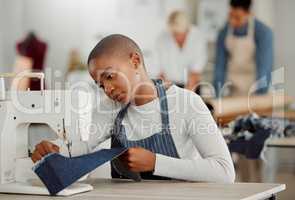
x: 99, y: 84
x: 109, y: 76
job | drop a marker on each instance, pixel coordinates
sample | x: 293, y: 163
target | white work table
x: 113, y: 189
x: 282, y: 142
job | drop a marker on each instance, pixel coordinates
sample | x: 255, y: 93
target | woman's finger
x: 36, y: 156
x: 40, y: 149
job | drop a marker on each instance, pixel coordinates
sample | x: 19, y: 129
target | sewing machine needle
x: 69, y: 149
x: 68, y: 143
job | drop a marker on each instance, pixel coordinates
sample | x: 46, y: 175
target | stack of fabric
x: 250, y: 133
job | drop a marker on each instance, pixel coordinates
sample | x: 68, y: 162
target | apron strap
x: 163, y: 105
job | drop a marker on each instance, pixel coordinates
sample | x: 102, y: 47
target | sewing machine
x: 66, y: 112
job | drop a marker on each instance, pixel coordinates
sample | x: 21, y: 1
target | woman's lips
x: 118, y: 97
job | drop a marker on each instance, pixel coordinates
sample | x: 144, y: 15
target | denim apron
x: 160, y: 143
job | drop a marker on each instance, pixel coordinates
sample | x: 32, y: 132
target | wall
x: 264, y: 10
x: 11, y: 31
x: 284, y: 33
x: 80, y: 24
x: 68, y: 24
x: 1, y: 35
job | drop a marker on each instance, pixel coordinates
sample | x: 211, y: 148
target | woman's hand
x: 138, y: 159
x: 42, y: 149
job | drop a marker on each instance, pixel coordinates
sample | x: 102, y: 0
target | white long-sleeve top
x: 204, y: 155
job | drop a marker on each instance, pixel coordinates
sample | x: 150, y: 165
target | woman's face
x: 117, y: 77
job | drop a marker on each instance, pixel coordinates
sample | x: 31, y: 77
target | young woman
x: 169, y: 130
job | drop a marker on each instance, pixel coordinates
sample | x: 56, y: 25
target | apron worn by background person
x: 241, y: 65
x: 242, y: 75
x: 161, y: 143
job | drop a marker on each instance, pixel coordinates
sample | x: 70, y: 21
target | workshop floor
x: 279, y: 168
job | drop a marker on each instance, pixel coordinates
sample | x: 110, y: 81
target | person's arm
x: 264, y: 57
x: 213, y: 165
x: 200, y: 59
x: 221, y: 59
x: 194, y: 79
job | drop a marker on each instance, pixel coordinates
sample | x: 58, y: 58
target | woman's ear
x: 135, y: 59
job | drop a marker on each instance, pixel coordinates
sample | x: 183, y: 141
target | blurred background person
x: 77, y: 71
x: 244, y: 61
x: 244, y: 52
x: 181, y: 52
x: 31, y: 53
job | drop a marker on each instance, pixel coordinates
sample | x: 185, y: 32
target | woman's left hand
x: 138, y: 159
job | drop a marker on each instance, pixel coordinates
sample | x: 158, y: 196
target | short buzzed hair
x: 115, y: 45
x: 243, y: 4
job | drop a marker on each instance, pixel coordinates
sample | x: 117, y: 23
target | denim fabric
x: 161, y: 143
x: 250, y: 133
x: 58, y: 172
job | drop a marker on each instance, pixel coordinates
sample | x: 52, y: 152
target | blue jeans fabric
x: 161, y: 143
x: 250, y: 133
x: 58, y: 172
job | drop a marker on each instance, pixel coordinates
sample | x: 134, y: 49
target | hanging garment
x: 35, y: 49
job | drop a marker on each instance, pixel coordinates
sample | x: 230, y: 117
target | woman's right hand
x: 42, y: 149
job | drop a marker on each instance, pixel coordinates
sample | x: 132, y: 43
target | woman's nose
x: 108, y: 89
